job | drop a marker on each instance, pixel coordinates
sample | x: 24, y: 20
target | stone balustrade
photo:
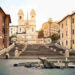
x: 54, y: 50
x: 51, y: 48
x: 23, y: 49
x: 2, y: 51
x: 17, y: 53
x: 5, y: 50
x: 59, y: 46
x: 60, y: 52
x: 10, y: 47
x: 46, y: 46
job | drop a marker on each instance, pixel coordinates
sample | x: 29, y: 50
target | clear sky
x: 56, y: 9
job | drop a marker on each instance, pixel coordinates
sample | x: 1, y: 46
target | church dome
x: 33, y: 13
x: 20, y: 12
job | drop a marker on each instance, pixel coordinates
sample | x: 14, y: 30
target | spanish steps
x: 38, y: 50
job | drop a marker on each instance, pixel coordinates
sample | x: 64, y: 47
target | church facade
x: 26, y: 29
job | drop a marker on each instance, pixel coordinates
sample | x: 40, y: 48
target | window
x: 73, y: 41
x: 11, y: 32
x: 62, y: 43
x: 3, y: 30
x: 32, y: 16
x: 66, y: 23
x: 72, y: 31
x: 62, y: 25
x: 3, y: 40
x: 72, y: 20
x: 20, y: 17
x: 20, y: 29
x: 66, y: 42
x: 62, y: 35
x: 66, y: 33
x: 11, y: 29
x: 25, y: 31
x: 4, y: 19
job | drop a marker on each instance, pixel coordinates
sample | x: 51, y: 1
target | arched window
x: 20, y: 29
x: 20, y: 17
x: 66, y: 42
x: 32, y: 16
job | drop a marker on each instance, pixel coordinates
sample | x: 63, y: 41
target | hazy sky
x: 56, y: 9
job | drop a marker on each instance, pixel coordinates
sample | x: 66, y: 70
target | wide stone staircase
x: 39, y: 50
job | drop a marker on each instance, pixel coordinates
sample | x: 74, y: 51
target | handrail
x: 7, y: 49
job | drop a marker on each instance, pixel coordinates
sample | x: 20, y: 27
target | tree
x: 50, y: 20
x: 40, y: 34
x: 13, y: 36
x: 55, y: 37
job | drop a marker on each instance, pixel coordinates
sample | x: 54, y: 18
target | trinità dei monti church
x: 26, y: 29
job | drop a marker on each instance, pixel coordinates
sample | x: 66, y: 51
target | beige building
x: 50, y: 28
x: 67, y: 31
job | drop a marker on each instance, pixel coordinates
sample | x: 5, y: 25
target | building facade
x: 4, y: 29
x: 67, y: 31
x: 50, y: 28
x: 26, y: 29
x: 13, y: 30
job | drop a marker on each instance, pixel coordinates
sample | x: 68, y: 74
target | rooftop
x: 67, y: 16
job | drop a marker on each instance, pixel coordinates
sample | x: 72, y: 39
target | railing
x: 7, y: 49
x: 23, y: 49
x: 59, y: 46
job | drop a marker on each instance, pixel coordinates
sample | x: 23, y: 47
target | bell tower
x: 27, y: 18
x: 33, y: 17
x: 20, y: 17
